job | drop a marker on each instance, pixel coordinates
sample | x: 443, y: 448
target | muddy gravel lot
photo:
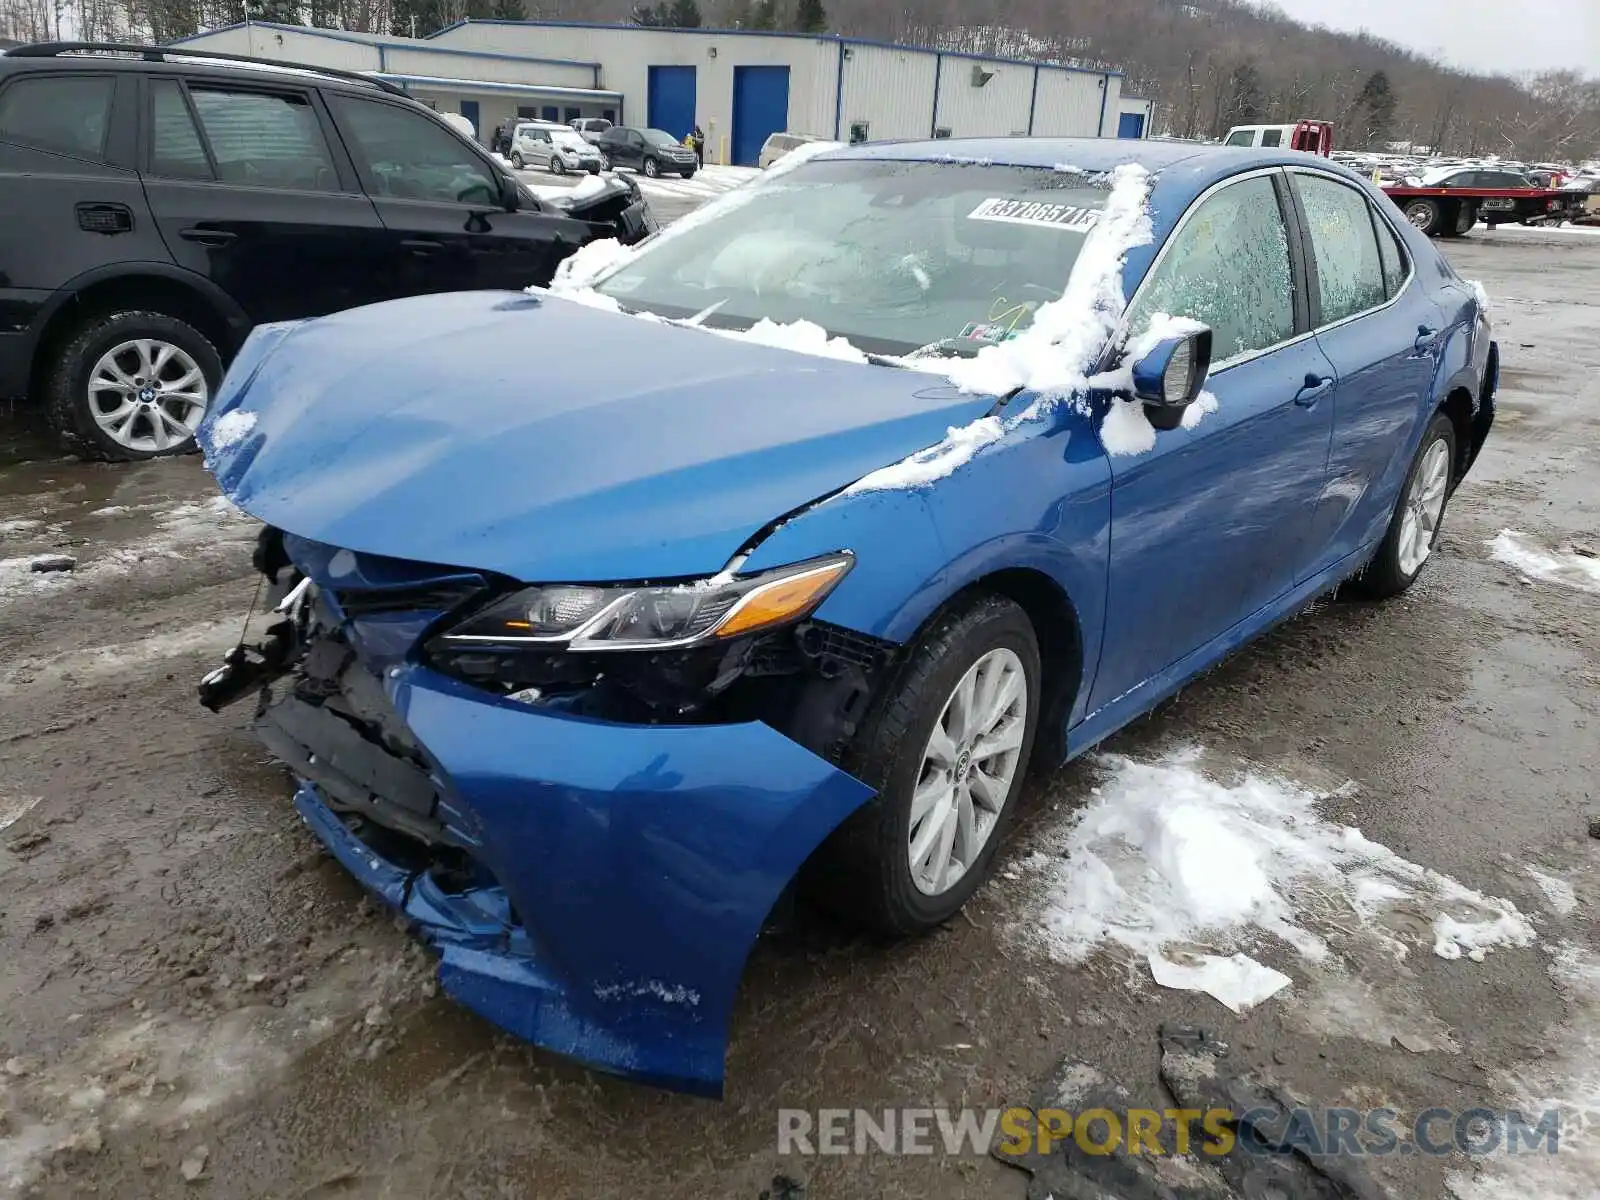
x: 198, y: 1001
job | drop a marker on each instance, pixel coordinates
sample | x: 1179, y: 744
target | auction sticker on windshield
x: 1036, y: 212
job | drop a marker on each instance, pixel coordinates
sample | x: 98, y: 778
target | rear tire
x: 72, y: 409
x: 1425, y: 215
x: 864, y: 871
x: 1396, y: 565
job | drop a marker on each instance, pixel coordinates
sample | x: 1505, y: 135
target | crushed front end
x: 591, y: 842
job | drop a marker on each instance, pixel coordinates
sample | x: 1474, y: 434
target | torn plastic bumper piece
x: 626, y: 870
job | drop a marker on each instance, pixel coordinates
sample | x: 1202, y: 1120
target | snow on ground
x: 1583, y: 230
x: 1567, y: 1080
x: 1169, y: 862
x: 1533, y: 561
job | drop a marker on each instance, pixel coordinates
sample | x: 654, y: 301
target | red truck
x: 1445, y: 201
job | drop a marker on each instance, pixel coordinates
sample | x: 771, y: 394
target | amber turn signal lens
x: 782, y: 600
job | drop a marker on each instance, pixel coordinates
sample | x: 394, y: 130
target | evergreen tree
x: 685, y: 14
x: 1247, y: 99
x: 810, y: 17
x: 763, y: 14
x: 510, y: 10
x: 1378, y: 101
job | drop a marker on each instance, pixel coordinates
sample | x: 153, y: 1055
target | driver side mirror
x: 1168, y: 377
x: 510, y: 200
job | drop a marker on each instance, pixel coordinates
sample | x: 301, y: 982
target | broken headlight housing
x: 581, y: 617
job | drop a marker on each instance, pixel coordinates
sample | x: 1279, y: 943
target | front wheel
x: 652, y: 168
x: 132, y: 385
x: 945, y: 746
x: 517, y: 160
x: 1418, y: 513
x: 557, y: 167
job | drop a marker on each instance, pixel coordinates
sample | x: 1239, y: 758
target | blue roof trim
x: 781, y: 33
x: 383, y: 43
x: 444, y: 83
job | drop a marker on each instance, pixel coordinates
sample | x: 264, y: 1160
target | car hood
x: 464, y: 430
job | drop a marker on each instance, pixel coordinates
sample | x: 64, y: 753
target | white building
x: 739, y: 86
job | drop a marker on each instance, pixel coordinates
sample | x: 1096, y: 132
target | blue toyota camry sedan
x: 830, y: 512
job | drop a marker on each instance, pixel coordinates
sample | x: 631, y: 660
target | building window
x: 859, y: 131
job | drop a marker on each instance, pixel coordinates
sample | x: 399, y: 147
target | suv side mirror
x: 1168, y: 377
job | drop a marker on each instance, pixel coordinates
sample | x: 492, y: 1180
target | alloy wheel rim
x: 968, y: 766
x: 148, y: 395
x: 1424, y: 507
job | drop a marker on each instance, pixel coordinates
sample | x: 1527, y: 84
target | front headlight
x: 582, y: 617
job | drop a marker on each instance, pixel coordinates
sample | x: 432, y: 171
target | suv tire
x: 71, y: 409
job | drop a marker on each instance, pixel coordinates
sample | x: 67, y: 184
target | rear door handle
x: 422, y: 245
x: 1314, y: 389
x: 207, y: 237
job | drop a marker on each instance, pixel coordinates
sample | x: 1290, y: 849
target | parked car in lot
x: 554, y: 147
x: 590, y: 128
x: 779, y: 144
x: 583, y: 677
x: 651, y: 152
x: 157, y: 206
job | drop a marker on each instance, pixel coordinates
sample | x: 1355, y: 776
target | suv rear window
x: 64, y: 113
x: 263, y: 139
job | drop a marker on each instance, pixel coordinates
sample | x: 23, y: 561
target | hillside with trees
x: 1207, y: 64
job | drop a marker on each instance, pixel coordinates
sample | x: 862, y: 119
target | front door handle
x: 212, y: 238
x: 422, y: 245
x: 1314, y: 389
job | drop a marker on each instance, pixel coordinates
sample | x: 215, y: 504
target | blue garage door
x: 1130, y: 125
x: 760, y: 109
x: 671, y: 100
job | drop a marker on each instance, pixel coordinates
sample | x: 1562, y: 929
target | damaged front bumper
x: 593, y: 887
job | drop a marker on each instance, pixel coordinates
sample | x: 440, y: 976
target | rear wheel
x: 652, y: 168
x: 1418, y: 513
x: 1425, y: 215
x: 945, y: 747
x: 132, y: 385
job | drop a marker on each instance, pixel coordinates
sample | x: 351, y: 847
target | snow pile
x: 589, y: 185
x: 936, y: 461
x: 803, y: 336
x: 1566, y: 1079
x: 230, y: 429
x: 593, y: 259
x: 1518, y: 550
x: 1167, y: 858
x: 1558, y: 893
x: 1481, y: 294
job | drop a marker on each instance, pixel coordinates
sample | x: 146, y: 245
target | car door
x: 247, y: 190
x: 441, y: 203
x: 1383, y: 333
x: 1211, y: 524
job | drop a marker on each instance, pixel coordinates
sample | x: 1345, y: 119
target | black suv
x: 653, y: 151
x: 158, y: 204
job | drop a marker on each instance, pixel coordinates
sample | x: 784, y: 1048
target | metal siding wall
x: 408, y: 61
x: 1069, y: 105
x: 998, y: 109
x: 891, y: 89
x: 260, y: 42
x: 628, y: 53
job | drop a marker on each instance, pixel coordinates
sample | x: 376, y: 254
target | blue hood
x: 550, y: 441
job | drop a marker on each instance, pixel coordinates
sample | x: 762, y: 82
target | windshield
x: 659, y: 137
x: 894, y: 256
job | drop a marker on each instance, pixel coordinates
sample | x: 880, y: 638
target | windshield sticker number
x: 1036, y: 212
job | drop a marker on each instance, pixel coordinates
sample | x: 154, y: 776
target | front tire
x: 652, y: 168
x: 1418, y: 514
x: 557, y: 167
x: 945, y: 746
x: 131, y: 385
x: 517, y: 160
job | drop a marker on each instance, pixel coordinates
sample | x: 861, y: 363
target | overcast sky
x: 1501, y: 36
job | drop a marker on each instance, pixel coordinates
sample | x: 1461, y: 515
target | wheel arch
x: 150, y: 287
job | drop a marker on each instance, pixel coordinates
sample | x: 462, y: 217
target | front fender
x: 1037, y: 500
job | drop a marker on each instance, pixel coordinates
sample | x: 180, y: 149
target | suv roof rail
x: 167, y: 53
